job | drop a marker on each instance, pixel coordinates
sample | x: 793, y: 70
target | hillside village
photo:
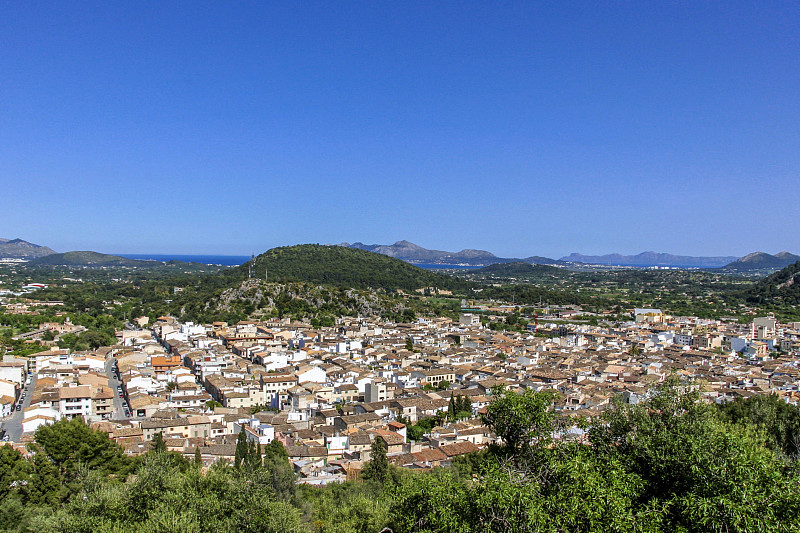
x: 327, y: 393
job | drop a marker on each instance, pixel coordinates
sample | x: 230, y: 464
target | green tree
x: 279, y: 471
x: 520, y: 419
x: 71, y: 444
x: 780, y: 420
x: 157, y: 444
x: 242, y: 449
x: 377, y: 468
x: 275, y: 451
x: 698, y: 469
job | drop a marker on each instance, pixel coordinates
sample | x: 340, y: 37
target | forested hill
x: 91, y: 259
x: 782, y: 286
x: 517, y: 268
x: 340, y: 266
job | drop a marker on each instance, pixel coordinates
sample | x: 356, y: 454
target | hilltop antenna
x: 250, y: 266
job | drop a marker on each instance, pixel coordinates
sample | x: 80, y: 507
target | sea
x: 226, y: 260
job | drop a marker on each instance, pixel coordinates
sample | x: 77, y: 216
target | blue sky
x: 523, y: 128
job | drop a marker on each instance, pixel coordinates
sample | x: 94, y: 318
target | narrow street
x: 13, y: 424
x: 113, y: 382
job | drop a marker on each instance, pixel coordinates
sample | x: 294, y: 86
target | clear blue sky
x: 518, y: 127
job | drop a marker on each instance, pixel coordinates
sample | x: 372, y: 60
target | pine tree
x: 241, y: 449
x: 158, y: 444
x: 198, y: 459
x: 377, y: 468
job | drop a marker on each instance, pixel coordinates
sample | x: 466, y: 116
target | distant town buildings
x: 326, y: 393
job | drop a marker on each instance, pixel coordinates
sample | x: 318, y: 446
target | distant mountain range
x: 762, y: 261
x: 19, y: 249
x: 413, y: 253
x: 646, y: 259
x: 757, y: 262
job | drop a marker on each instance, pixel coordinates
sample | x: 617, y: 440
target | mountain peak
x: 20, y: 249
x: 763, y: 261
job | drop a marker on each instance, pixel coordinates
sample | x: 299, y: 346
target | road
x: 13, y: 424
x: 113, y: 382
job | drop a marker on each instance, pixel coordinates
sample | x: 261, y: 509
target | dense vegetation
x: 319, y: 283
x: 345, y: 267
x: 781, y: 288
x: 516, y: 268
x: 670, y: 463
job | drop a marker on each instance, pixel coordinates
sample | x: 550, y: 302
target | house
x: 650, y: 316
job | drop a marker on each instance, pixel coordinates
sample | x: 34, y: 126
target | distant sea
x: 227, y: 260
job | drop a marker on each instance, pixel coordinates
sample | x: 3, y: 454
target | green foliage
x: 349, y: 507
x: 520, y: 419
x: 31, y: 482
x: 347, y: 267
x: 377, y: 468
x: 780, y: 420
x: 72, y: 445
x: 459, y: 408
x: 157, y: 445
x: 275, y: 451
x: 167, y: 497
x: 698, y: 469
x: 670, y: 463
x: 242, y: 449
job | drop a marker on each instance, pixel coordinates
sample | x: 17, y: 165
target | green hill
x: 343, y: 267
x: 89, y: 259
x: 782, y: 287
x: 517, y: 268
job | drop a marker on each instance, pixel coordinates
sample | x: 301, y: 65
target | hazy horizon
x: 115, y: 251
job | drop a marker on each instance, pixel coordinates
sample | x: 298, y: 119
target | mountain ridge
x: 413, y: 253
x: 87, y: 258
x: 21, y: 249
x: 650, y: 259
x: 762, y: 261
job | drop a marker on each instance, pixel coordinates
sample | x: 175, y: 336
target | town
x: 326, y: 393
